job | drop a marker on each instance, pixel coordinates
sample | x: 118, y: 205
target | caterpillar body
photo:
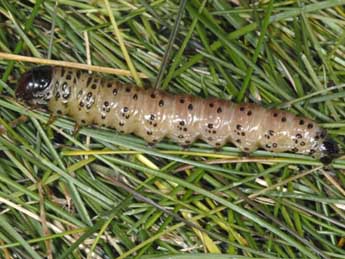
x: 154, y: 114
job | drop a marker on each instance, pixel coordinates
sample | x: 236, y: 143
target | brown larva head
x: 34, y: 86
x: 330, y: 151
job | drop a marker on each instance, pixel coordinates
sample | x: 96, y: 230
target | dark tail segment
x: 331, y: 151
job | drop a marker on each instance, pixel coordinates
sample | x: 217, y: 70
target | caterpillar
x: 154, y: 114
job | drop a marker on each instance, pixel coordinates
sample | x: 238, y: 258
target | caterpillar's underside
x: 154, y: 114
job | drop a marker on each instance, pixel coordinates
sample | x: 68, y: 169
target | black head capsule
x: 330, y: 151
x: 34, y: 86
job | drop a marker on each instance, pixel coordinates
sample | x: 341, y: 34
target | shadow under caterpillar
x: 154, y: 114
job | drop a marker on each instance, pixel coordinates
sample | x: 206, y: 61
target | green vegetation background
x: 121, y: 199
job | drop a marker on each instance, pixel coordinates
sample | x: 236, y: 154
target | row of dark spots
x: 309, y: 126
x: 63, y: 71
x: 69, y: 74
x: 321, y: 134
x: 181, y: 126
x: 89, y: 100
x: 160, y: 103
x: 273, y: 145
x: 89, y: 80
x: 269, y: 134
x: 295, y: 150
x: 57, y: 95
x: 219, y: 109
x: 210, y: 129
x: 125, y: 111
x: 239, y: 131
x: 152, y: 120
x: 298, y: 136
x: 242, y: 109
x: 283, y: 119
x: 66, y: 91
x: 78, y: 74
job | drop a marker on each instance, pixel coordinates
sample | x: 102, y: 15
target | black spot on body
x: 149, y: 133
x: 210, y: 125
x: 238, y: 140
x: 69, y: 77
x: 249, y: 113
x: 161, y: 103
x: 106, y: 103
x: 135, y: 97
x: 275, y: 114
x: 83, y: 121
x: 301, y: 122
x: 238, y: 126
x: 302, y: 143
x: 310, y: 126
x: 152, y: 117
x: 180, y: 136
x: 109, y: 85
x: 274, y: 145
x: 219, y: 110
x: 89, y: 79
x: 182, y: 123
x: 211, y: 105
x: 115, y: 92
x: 181, y: 100
x: 153, y: 95
x: 323, y: 134
x: 242, y: 108
x: 125, y: 109
x: 63, y: 71
x: 284, y: 119
x: 128, y: 90
x: 93, y: 86
x: 121, y: 124
x: 57, y: 95
x: 190, y: 107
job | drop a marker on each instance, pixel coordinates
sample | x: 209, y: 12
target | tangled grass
x: 99, y: 194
